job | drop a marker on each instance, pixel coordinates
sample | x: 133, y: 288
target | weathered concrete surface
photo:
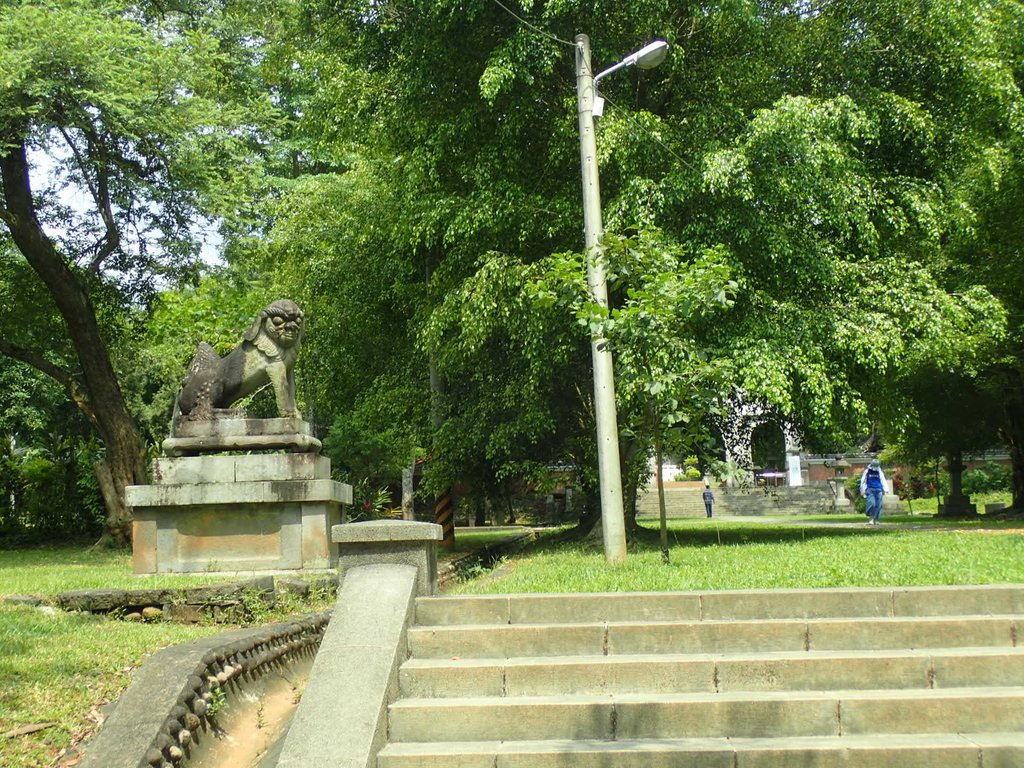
x: 190, y: 437
x: 391, y: 541
x: 259, y: 512
x: 916, y: 677
x: 241, y: 469
x: 102, y: 600
x: 164, y: 698
x: 341, y: 721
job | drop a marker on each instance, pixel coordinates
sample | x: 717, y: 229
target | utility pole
x: 613, y: 523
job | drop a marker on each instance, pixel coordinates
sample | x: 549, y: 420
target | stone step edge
x: 575, y: 625
x: 879, y: 655
x: 744, y: 604
x: 868, y: 742
x: 914, y: 696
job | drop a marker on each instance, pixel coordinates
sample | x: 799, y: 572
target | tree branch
x: 55, y: 372
x: 100, y: 192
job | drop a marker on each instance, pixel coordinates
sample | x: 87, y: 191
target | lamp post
x: 613, y: 523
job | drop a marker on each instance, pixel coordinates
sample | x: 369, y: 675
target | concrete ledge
x: 341, y: 721
x: 402, y: 542
x: 248, y: 468
x: 386, y: 530
x: 252, y: 492
x: 166, y: 709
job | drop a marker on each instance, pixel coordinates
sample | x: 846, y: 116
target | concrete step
x: 996, y: 599
x: 744, y: 714
x: 717, y: 673
x: 907, y: 678
x: 965, y: 750
x: 506, y: 641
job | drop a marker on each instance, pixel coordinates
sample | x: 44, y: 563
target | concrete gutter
x: 167, y: 708
x: 341, y: 721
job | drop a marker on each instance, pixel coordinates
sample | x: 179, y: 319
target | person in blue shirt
x: 709, y: 498
x: 873, y: 486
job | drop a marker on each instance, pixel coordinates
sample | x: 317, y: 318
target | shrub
x: 990, y: 476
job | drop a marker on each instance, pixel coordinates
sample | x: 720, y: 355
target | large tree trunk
x: 659, y: 460
x: 1013, y: 434
x: 125, y: 459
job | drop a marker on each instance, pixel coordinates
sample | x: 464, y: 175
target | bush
x: 852, y: 488
x: 912, y: 484
x: 692, y: 473
x: 989, y: 477
x: 50, y: 493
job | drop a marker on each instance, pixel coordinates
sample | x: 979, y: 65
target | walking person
x: 709, y: 498
x: 873, y: 486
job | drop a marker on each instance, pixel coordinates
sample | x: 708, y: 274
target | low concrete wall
x: 167, y: 708
x: 341, y: 721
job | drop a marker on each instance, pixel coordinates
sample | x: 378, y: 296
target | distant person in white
x: 873, y: 486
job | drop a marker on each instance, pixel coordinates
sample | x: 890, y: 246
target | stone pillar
x: 402, y: 542
x: 957, y: 504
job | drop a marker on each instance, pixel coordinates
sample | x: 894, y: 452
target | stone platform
x: 229, y: 432
x: 224, y: 514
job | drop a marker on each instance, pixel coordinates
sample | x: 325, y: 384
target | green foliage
x: 851, y: 487
x: 49, y: 492
x: 218, y: 310
x: 732, y: 474
x: 781, y: 222
x: 990, y: 476
x: 147, y: 115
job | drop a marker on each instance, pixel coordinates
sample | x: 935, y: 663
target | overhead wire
x: 620, y: 110
x: 644, y: 129
x: 531, y: 26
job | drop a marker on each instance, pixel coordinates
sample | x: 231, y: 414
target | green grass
x: 930, y: 506
x: 49, y: 570
x: 724, y: 554
x: 471, y: 539
x: 56, y: 667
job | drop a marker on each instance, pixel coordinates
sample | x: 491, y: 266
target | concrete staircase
x: 687, y: 502
x: 929, y: 677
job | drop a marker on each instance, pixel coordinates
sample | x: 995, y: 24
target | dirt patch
x: 252, y: 720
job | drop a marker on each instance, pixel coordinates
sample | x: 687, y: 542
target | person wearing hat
x: 873, y: 486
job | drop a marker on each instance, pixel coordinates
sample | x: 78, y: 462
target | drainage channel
x: 250, y: 729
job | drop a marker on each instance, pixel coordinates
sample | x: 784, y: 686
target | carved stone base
x: 958, y: 506
x: 260, y: 512
x: 189, y: 438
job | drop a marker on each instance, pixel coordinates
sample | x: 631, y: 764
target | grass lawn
x: 55, y: 667
x: 743, y: 554
x: 471, y: 539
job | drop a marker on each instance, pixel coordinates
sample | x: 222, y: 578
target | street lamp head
x: 648, y: 57
x: 651, y: 55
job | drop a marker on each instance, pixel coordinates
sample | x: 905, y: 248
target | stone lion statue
x: 265, y: 356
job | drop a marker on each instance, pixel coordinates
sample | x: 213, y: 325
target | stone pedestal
x: 221, y: 513
x: 958, y: 505
x: 402, y: 542
x: 231, y: 432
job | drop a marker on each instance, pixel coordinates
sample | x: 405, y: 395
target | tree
x: 137, y: 113
x: 828, y: 188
